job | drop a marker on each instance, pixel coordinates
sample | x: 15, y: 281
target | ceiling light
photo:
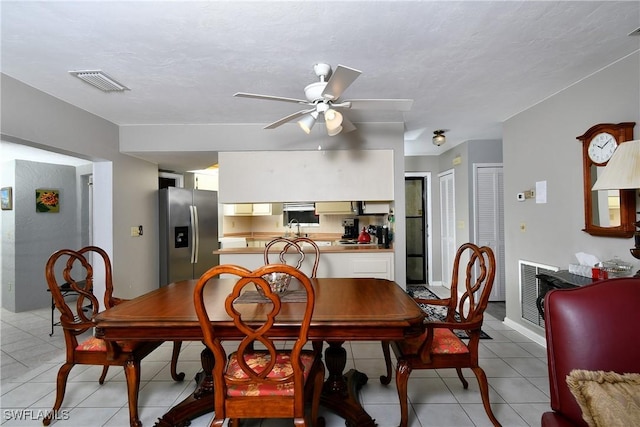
x: 439, y: 138
x: 333, y: 119
x: 334, y: 132
x: 307, y: 121
x: 100, y: 80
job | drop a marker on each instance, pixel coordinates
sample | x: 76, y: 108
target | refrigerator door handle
x: 196, y: 234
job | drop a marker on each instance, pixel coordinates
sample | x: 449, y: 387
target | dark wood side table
x: 561, y: 279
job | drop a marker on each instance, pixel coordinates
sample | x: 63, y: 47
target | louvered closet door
x: 448, y: 230
x: 489, y: 201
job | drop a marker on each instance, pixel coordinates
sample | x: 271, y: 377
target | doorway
x: 489, y: 219
x: 417, y: 226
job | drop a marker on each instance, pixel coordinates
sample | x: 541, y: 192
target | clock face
x: 601, y: 147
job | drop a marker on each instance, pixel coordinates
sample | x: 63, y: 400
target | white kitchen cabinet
x: 354, y: 264
x: 332, y: 264
x: 371, y: 208
x: 334, y: 208
x: 243, y: 209
x: 252, y: 209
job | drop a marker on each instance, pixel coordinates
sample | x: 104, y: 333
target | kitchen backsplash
x: 273, y: 223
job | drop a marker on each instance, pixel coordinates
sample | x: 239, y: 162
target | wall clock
x: 607, y: 212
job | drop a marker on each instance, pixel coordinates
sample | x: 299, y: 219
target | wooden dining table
x: 346, y: 309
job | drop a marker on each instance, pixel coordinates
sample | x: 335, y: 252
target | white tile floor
x: 516, y: 368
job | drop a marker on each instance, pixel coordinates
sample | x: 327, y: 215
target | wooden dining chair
x: 264, y: 383
x: 439, y: 347
x: 294, y: 247
x: 77, y: 322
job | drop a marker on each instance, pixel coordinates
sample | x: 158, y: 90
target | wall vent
x: 530, y: 289
x: 100, y: 80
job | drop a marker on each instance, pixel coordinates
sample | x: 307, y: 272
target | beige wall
x: 124, y: 187
x: 540, y: 145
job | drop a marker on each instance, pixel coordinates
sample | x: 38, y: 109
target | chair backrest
x: 305, y: 241
x: 253, y: 330
x: 295, y: 248
x: 474, y: 270
x: 62, y: 279
x: 593, y: 327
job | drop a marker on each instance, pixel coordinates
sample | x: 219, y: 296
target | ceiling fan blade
x: 269, y: 97
x: 381, y: 104
x: 347, y: 126
x: 339, y: 81
x: 289, y: 118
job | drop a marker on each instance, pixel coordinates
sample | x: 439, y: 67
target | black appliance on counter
x: 382, y: 235
x: 351, y: 228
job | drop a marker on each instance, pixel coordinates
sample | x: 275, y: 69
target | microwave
x: 303, y: 212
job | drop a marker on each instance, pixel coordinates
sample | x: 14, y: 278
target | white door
x: 489, y: 219
x: 448, y: 221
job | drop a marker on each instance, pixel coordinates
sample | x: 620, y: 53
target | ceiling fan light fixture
x: 306, y: 123
x: 333, y: 119
x: 438, y: 137
x: 334, y: 131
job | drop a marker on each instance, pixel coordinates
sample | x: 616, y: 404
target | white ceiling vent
x: 100, y: 79
x: 635, y: 32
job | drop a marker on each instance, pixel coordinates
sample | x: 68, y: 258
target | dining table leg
x: 340, y: 391
x: 200, y: 402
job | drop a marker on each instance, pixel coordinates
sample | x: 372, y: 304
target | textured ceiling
x: 468, y: 65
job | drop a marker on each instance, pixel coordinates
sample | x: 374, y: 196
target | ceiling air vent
x: 635, y: 32
x: 100, y: 79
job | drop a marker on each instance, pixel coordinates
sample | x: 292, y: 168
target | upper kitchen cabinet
x: 252, y: 209
x: 373, y: 208
x: 335, y: 208
x: 323, y: 176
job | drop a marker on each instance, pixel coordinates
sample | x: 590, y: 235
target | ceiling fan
x: 322, y: 99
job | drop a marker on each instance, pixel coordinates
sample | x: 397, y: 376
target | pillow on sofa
x: 606, y: 398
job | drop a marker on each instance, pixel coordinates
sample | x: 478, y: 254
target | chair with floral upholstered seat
x: 439, y: 347
x: 76, y: 319
x: 266, y: 382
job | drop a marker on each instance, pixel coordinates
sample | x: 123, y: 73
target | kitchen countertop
x: 323, y: 249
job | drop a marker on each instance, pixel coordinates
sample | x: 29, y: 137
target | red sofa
x: 595, y: 328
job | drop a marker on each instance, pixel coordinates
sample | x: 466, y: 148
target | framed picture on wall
x: 6, y: 198
x: 47, y: 200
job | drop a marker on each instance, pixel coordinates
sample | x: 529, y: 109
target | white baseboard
x: 533, y: 336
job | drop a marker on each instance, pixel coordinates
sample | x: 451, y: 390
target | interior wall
x: 37, y: 234
x: 540, y: 145
x: 7, y: 242
x: 125, y: 187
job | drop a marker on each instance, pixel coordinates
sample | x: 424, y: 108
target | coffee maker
x: 382, y: 235
x: 351, y: 229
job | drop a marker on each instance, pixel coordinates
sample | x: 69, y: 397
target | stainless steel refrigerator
x: 188, y: 233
